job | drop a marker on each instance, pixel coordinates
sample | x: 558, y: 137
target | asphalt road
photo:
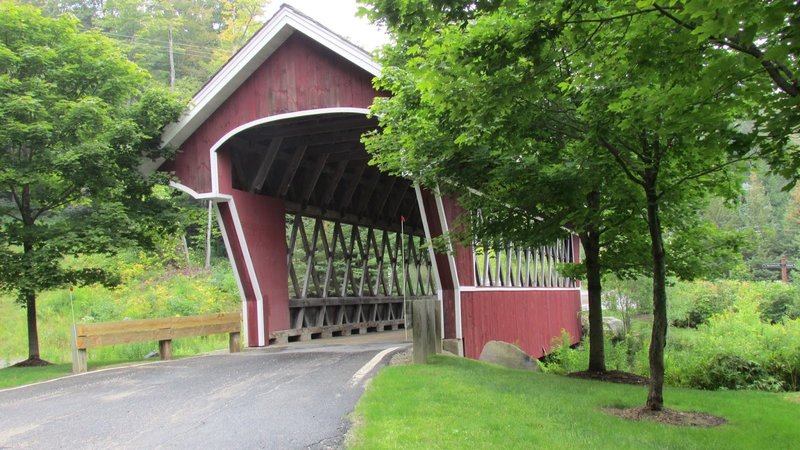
x: 279, y: 398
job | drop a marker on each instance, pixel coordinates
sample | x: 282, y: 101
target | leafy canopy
x: 76, y: 118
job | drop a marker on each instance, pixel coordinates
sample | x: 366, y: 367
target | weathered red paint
x: 300, y: 75
x: 263, y: 221
x: 443, y: 265
x: 528, y: 318
x: 241, y: 269
x: 303, y: 75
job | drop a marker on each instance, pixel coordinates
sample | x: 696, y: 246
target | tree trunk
x: 33, y: 329
x: 658, y: 340
x: 591, y: 246
x: 29, y: 295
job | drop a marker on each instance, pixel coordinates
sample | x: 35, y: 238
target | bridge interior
x: 349, y: 264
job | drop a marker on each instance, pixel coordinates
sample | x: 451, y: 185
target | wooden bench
x: 161, y: 330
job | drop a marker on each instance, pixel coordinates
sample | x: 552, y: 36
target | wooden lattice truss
x: 345, y: 278
x: 510, y: 265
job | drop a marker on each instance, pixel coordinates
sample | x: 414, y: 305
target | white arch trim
x: 264, y: 120
x: 452, y: 260
x: 248, y: 261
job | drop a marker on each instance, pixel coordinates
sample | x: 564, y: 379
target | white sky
x: 339, y: 16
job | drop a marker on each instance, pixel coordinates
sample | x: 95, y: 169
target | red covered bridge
x: 313, y: 231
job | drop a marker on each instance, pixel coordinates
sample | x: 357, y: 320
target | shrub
x: 779, y: 301
x: 691, y: 304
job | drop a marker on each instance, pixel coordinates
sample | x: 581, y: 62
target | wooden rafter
x: 266, y: 164
x: 291, y: 170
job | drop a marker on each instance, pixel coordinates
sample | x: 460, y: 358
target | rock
x: 614, y: 327
x: 452, y: 346
x: 508, y: 355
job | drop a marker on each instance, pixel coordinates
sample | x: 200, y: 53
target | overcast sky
x: 339, y: 16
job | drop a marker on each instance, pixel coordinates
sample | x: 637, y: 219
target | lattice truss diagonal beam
x: 511, y: 265
x: 344, y: 276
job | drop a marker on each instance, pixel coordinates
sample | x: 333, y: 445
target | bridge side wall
x: 528, y: 318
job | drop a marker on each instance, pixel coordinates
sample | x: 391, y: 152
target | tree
x: 181, y: 42
x: 76, y: 119
x: 658, y: 104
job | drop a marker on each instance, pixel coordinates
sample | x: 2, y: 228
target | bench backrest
x: 130, y: 331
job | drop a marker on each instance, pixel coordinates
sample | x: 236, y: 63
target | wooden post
x: 235, y: 342
x: 165, y: 349
x: 425, y: 329
x: 81, y: 362
x: 437, y: 318
x: 784, y: 269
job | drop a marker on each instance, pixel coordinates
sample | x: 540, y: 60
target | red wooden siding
x: 528, y: 318
x: 241, y: 268
x: 443, y: 266
x: 300, y: 75
x: 264, y: 223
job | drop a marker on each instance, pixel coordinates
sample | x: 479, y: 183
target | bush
x: 691, y: 304
x: 736, y: 350
x: 779, y: 302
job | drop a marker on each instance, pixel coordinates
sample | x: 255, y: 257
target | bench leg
x: 165, y: 349
x: 235, y: 342
x: 80, y: 362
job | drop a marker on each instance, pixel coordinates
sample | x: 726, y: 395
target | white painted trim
x: 216, y: 199
x: 452, y: 259
x: 268, y: 39
x: 248, y: 262
x: 431, y: 253
x: 512, y: 289
x: 198, y: 196
x: 236, y: 275
x: 214, y: 164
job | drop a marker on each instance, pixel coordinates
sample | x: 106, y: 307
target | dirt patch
x: 668, y: 416
x: 612, y: 376
x: 794, y: 397
x: 401, y: 358
x: 32, y: 362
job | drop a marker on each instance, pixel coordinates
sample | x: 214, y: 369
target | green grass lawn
x: 18, y: 376
x: 458, y: 403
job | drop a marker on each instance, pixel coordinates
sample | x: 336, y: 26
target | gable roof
x: 286, y: 21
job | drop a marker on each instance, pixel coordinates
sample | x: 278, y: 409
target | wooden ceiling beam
x: 368, y: 191
x: 266, y: 164
x: 335, y: 180
x: 316, y: 172
x: 291, y: 170
x: 347, y: 198
x: 383, y: 198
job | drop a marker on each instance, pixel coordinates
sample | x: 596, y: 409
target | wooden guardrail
x: 161, y: 330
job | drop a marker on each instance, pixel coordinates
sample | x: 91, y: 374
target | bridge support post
x: 426, y: 328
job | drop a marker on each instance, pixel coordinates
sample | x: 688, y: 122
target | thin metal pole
x: 403, y: 268
x: 74, y: 333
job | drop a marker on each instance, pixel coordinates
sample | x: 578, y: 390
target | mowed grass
x: 18, y: 376
x: 459, y: 403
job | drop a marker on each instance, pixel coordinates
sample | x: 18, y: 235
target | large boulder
x: 508, y: 355
x: 614, y: 327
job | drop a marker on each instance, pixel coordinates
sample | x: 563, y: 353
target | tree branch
x: 707, y: 171
x: 621, y: 161
x: 620, y: 16
x: 62, y: 200
x: 773, y: 68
